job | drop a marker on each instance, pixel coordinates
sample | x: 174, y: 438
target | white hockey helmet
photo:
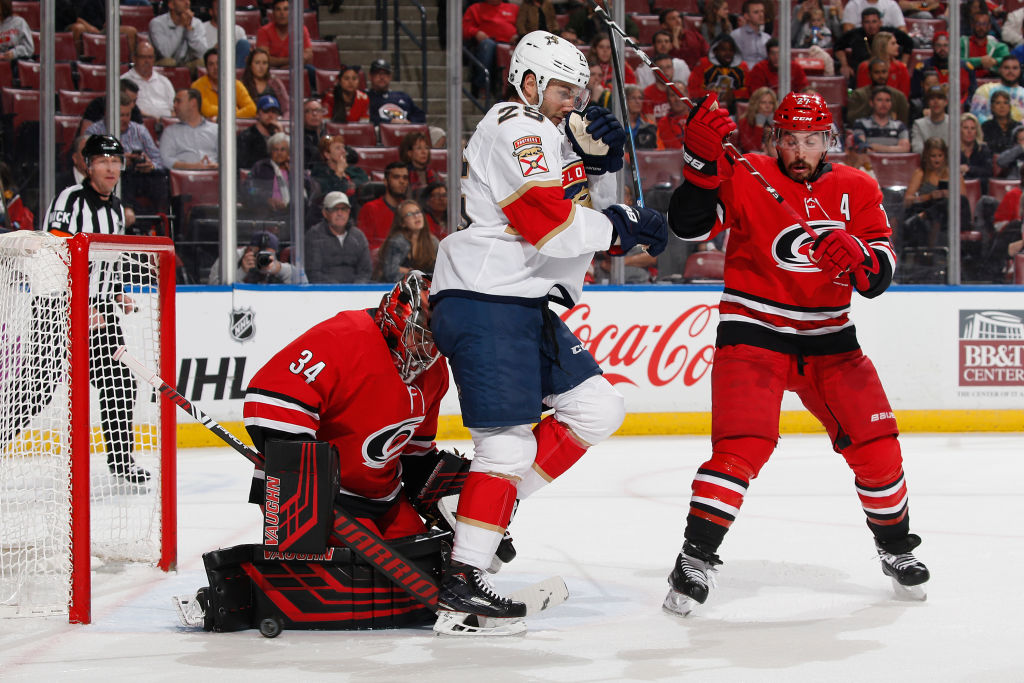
x: 548, y: 57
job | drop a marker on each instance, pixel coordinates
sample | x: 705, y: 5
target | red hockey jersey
x: 770, y: 281
x: 337, y: 383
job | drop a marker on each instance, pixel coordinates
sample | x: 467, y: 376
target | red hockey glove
x: 707, y: 127
x: 837, y: 252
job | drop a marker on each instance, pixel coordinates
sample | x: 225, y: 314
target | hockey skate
x: 908, y: 573
x: 691, y: 580
x: 468, y: 605
x: 129, y: 472
x: 192, y: 608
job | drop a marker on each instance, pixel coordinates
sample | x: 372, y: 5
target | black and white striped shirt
x: 79, y: 208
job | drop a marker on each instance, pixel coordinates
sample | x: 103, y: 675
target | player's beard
x: 800, y: 169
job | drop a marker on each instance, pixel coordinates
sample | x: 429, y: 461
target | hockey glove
x: 707, y: 127
x: 598, y: 138
x: 837, y: 252
x: 637, y: 225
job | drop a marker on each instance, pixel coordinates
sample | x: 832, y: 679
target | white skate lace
x: 901, y: 561
x: 484, y: 584
x: 697, y: 571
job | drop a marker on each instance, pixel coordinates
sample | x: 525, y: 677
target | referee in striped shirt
x: 92, y: 207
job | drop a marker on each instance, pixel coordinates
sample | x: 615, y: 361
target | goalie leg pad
x: 335, y: 590
x: 298, y: 505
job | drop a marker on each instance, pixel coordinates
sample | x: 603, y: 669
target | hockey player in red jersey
x: 531, y: 192
x: 785, y: 325
x: 370, y: 383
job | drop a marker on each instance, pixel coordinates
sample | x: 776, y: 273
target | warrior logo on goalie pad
x: 386, y: 444
x: 792, y: 246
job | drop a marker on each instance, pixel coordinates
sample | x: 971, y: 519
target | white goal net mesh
x: 37, y: 410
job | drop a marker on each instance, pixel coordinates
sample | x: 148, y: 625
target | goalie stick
x: 365, y: 543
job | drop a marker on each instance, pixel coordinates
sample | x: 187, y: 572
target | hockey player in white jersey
x: 534, y: 168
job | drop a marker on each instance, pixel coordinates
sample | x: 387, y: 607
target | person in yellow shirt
x: 207, y: 85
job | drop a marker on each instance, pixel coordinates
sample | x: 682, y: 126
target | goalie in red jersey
x: 785, y: 325
x: 369, y: 383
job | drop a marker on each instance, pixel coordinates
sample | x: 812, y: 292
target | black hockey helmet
x: 102, y: 146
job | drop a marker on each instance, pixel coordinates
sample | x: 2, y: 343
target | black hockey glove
x: 598, y: 138
x: 707, y: 127
x: 637, y: 225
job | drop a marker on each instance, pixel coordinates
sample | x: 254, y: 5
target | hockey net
x: 75, y: 426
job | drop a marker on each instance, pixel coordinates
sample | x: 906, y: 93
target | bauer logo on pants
x: 992, y: 348
x: 243, y: 324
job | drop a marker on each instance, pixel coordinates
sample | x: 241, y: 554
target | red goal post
x: 72, y: 424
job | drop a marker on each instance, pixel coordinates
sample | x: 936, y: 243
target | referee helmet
x: 102, y: 146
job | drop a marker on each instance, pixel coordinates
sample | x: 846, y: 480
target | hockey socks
x: 558, y: 449
x: 718, y: 490
x: 485, y: 508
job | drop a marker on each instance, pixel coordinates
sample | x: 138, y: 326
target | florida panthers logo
x: 792, y: 246
x: 385, y: 444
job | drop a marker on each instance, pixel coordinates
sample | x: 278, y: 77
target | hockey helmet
x: 404, y: 318
x: 803, y: 112
x: 548, y: 57
x: 102, y: 146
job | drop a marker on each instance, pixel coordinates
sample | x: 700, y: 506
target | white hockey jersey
x: 529, y: 229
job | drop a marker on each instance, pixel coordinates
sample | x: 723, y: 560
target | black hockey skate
x: 906, y: 571
x: 468, y: 605
x: 690, y: 580
x: 130, y: 472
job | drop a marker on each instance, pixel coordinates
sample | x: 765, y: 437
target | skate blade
x: 465, y: 624
x: 910, y: 593
x: 190, y: 612
x: 677, y: 603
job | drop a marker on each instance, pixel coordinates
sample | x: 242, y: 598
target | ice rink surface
x: 800, y: 596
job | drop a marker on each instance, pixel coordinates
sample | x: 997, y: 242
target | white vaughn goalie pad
x: 538, y: 597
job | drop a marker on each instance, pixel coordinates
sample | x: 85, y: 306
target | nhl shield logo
x: 243, y: 324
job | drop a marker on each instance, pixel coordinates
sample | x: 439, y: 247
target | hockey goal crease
x: 73, y: 423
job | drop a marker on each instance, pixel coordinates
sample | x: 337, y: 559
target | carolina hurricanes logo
x: 792, y: 246
x: 385, y: 444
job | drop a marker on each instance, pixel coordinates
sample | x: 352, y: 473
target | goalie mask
x: 404, y: 318
x: 549, y: 58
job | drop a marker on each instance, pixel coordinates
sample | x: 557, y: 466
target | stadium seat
x: 894, y: 170
x: 29, y: 11
x: 973, y: 187
x: 356, y: 134
x: 6, y: 74
x: 704, y: 266
x: 249, y: 20
x: 94, y: 48
x: 30, y: 76
x: 439, y: 160
x: 919, y: 55
x: 998, y: 187
x: 659, y: 166
x: 191, y: 189
x: 64, y: 47
x: 74, y: 102
x: 286, y: 80
x: 832, y: 88
x: 177, y: 75
x: 376, y: 158
x: 392, y: 134
x: 325, y: 81
x: 137, y: 16
x: 325, y: 55
x: 684, y: 6
x: 312, y: 22
x: 94, y: 76
x: 66, y: 127
x: 152, y: 123
x: 22, y: 105
x: 638, y: 7
x: 648, y: 25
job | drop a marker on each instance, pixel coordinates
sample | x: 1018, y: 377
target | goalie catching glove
x: 598, y: 138
x: 637, y: 225
x: 837, y: 252
x: 707, y: 127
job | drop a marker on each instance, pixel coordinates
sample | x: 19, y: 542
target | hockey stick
x: 363, y: 542
x: 731, y: 150
x: 620, y: 86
